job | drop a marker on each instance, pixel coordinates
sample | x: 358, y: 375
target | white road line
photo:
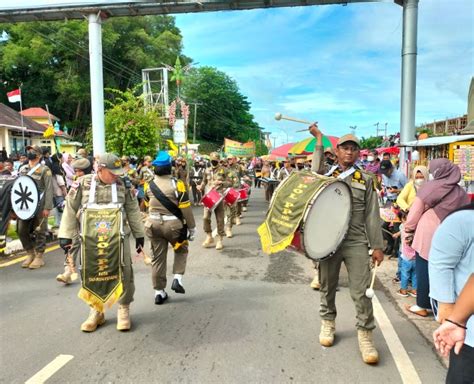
x: 50, y: 369
x: 402, y: 360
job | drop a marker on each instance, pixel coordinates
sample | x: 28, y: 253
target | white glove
x: 191, y: 234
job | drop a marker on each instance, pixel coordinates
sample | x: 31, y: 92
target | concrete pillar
x: 97, y: 83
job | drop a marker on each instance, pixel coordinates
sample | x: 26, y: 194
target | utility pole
x: 376, y: 129
x: 386, y: 129
x: 353, y: 128
x: 195, y: 113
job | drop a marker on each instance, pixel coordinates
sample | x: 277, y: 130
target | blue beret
x: 162, y: 159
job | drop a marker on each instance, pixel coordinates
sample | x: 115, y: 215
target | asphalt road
x: 245, y: 317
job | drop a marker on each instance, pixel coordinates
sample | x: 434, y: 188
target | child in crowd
x: 407, y: 263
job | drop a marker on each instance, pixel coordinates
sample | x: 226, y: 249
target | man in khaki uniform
x: 82, y: 167
x: 32, y: 232
x: 364, y: 233
x: 215, y: 177
x: 129, y: 171
x: 231, y: 210
x: 163, y: 227
x: 285, y: 171
x: 239, y: 173
x: 146, y: 172
x: 108, y: 187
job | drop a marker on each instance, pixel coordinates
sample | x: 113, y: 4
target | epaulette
x: 180, y: 186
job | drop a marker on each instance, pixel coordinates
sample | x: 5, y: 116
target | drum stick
x: 373, y: 276
x: 279, y: 116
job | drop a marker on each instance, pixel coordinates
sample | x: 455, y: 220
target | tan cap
x: 81, y: 164
x: 329, y: 150
x: 111, y: 162
x: 125, y: 158
x: 230, y: 157
x: 347, y: 138
x: 35, y: 148
x: 147, y: 158
x: 214, y: 156
x: 82, y: 152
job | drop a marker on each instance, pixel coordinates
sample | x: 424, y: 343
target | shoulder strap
x: 167, y: 203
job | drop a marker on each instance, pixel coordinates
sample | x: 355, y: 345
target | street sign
x: 179, y: 133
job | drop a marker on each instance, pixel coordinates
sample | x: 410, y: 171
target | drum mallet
x: 369, y: 292
x: 279, y: 116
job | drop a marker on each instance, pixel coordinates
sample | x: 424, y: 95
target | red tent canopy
x: 282, y: 150
x: 391, y: 150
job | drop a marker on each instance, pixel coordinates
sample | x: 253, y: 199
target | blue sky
x: 338, y: 65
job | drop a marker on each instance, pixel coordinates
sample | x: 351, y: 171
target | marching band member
x: 285, y: 171
x: 90, y: 202
x: 216, y: 177
x: 81, y: 167
x: 170, y: 221
x: 32, y: 232
x: 364, y: 232
x: 196, y: 174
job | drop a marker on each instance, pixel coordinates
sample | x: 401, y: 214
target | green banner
x: 288, y: 206
x: 101, y: 254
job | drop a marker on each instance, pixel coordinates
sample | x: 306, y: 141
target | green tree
x: 128, y: 129
x: 223, y: 110
x: 51, y: 61
x: 370, y: 142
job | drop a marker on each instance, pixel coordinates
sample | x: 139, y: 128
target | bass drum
x: 25, y: 197
x: 325, y: 222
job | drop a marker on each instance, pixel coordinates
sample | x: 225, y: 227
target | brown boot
x: 219, y: 244
x: 95, y: 319
x: 123, y: 317
x: 366, y: 347
x: 38, y: 261
x: 326, y: 336
x: 315, y: 284
x: 209, y: 242
x: 65, y: 277
x: 30, y: 256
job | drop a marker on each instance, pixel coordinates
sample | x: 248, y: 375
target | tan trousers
x: 128, y: 280
x: 160, y: 235
x: 231, y: 214
x: 220, y: 214
x: 356, y: 259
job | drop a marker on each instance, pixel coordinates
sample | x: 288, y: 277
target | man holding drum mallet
x: 364, y: 233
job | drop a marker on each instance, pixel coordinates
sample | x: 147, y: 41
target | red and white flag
x: 14, y: 96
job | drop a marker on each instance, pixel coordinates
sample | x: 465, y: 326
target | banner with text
x: 238, y: 149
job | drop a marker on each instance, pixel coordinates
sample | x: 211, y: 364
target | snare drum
x: 212, y: 199
x: 326, y: 220
x: 243, y: 194
x: 231, y: 196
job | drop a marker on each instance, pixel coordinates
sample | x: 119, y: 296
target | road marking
x: 18, y: 260
x: 50, y: 369
x: 400, y: 356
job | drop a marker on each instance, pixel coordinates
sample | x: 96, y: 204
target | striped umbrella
x: 306, y: 146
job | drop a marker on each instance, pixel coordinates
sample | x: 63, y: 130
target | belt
x: 162, y: 217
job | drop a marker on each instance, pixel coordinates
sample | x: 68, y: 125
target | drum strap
x: 32, y: 170
x: 344, y: 174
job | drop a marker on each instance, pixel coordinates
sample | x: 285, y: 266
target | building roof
x: 11, y: 119
x: 38, y: 112
x: 439, y: 140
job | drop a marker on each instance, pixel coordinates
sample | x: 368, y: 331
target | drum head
x: 327, y: 220
x: 25, y: 197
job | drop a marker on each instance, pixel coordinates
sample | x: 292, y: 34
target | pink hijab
x: 443, y: 194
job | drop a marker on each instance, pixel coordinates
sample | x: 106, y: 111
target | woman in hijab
x: 68, y: 169
x: 407, y: 196
x: 433, y: 202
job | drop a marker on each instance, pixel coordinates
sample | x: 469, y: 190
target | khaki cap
x: 111, y: 162
x: 35, y: 148
x: 81, y: 164
x: 125, y: 158
x: 148, y: 158
x: 329, y: 150
x: 214, y: 156
x: 347, y: 138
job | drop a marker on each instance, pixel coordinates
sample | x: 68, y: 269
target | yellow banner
x: 238, y: 149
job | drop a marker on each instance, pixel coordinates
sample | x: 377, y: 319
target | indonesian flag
x: 14, y: 96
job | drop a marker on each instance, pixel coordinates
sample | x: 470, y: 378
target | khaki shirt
x: 219, y: 173
x: 44, y: 180
x: 132, y: 175
x: 365, y: 226
x: 78, y: 196
x: 284, y: 173
x: 175, y: 190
